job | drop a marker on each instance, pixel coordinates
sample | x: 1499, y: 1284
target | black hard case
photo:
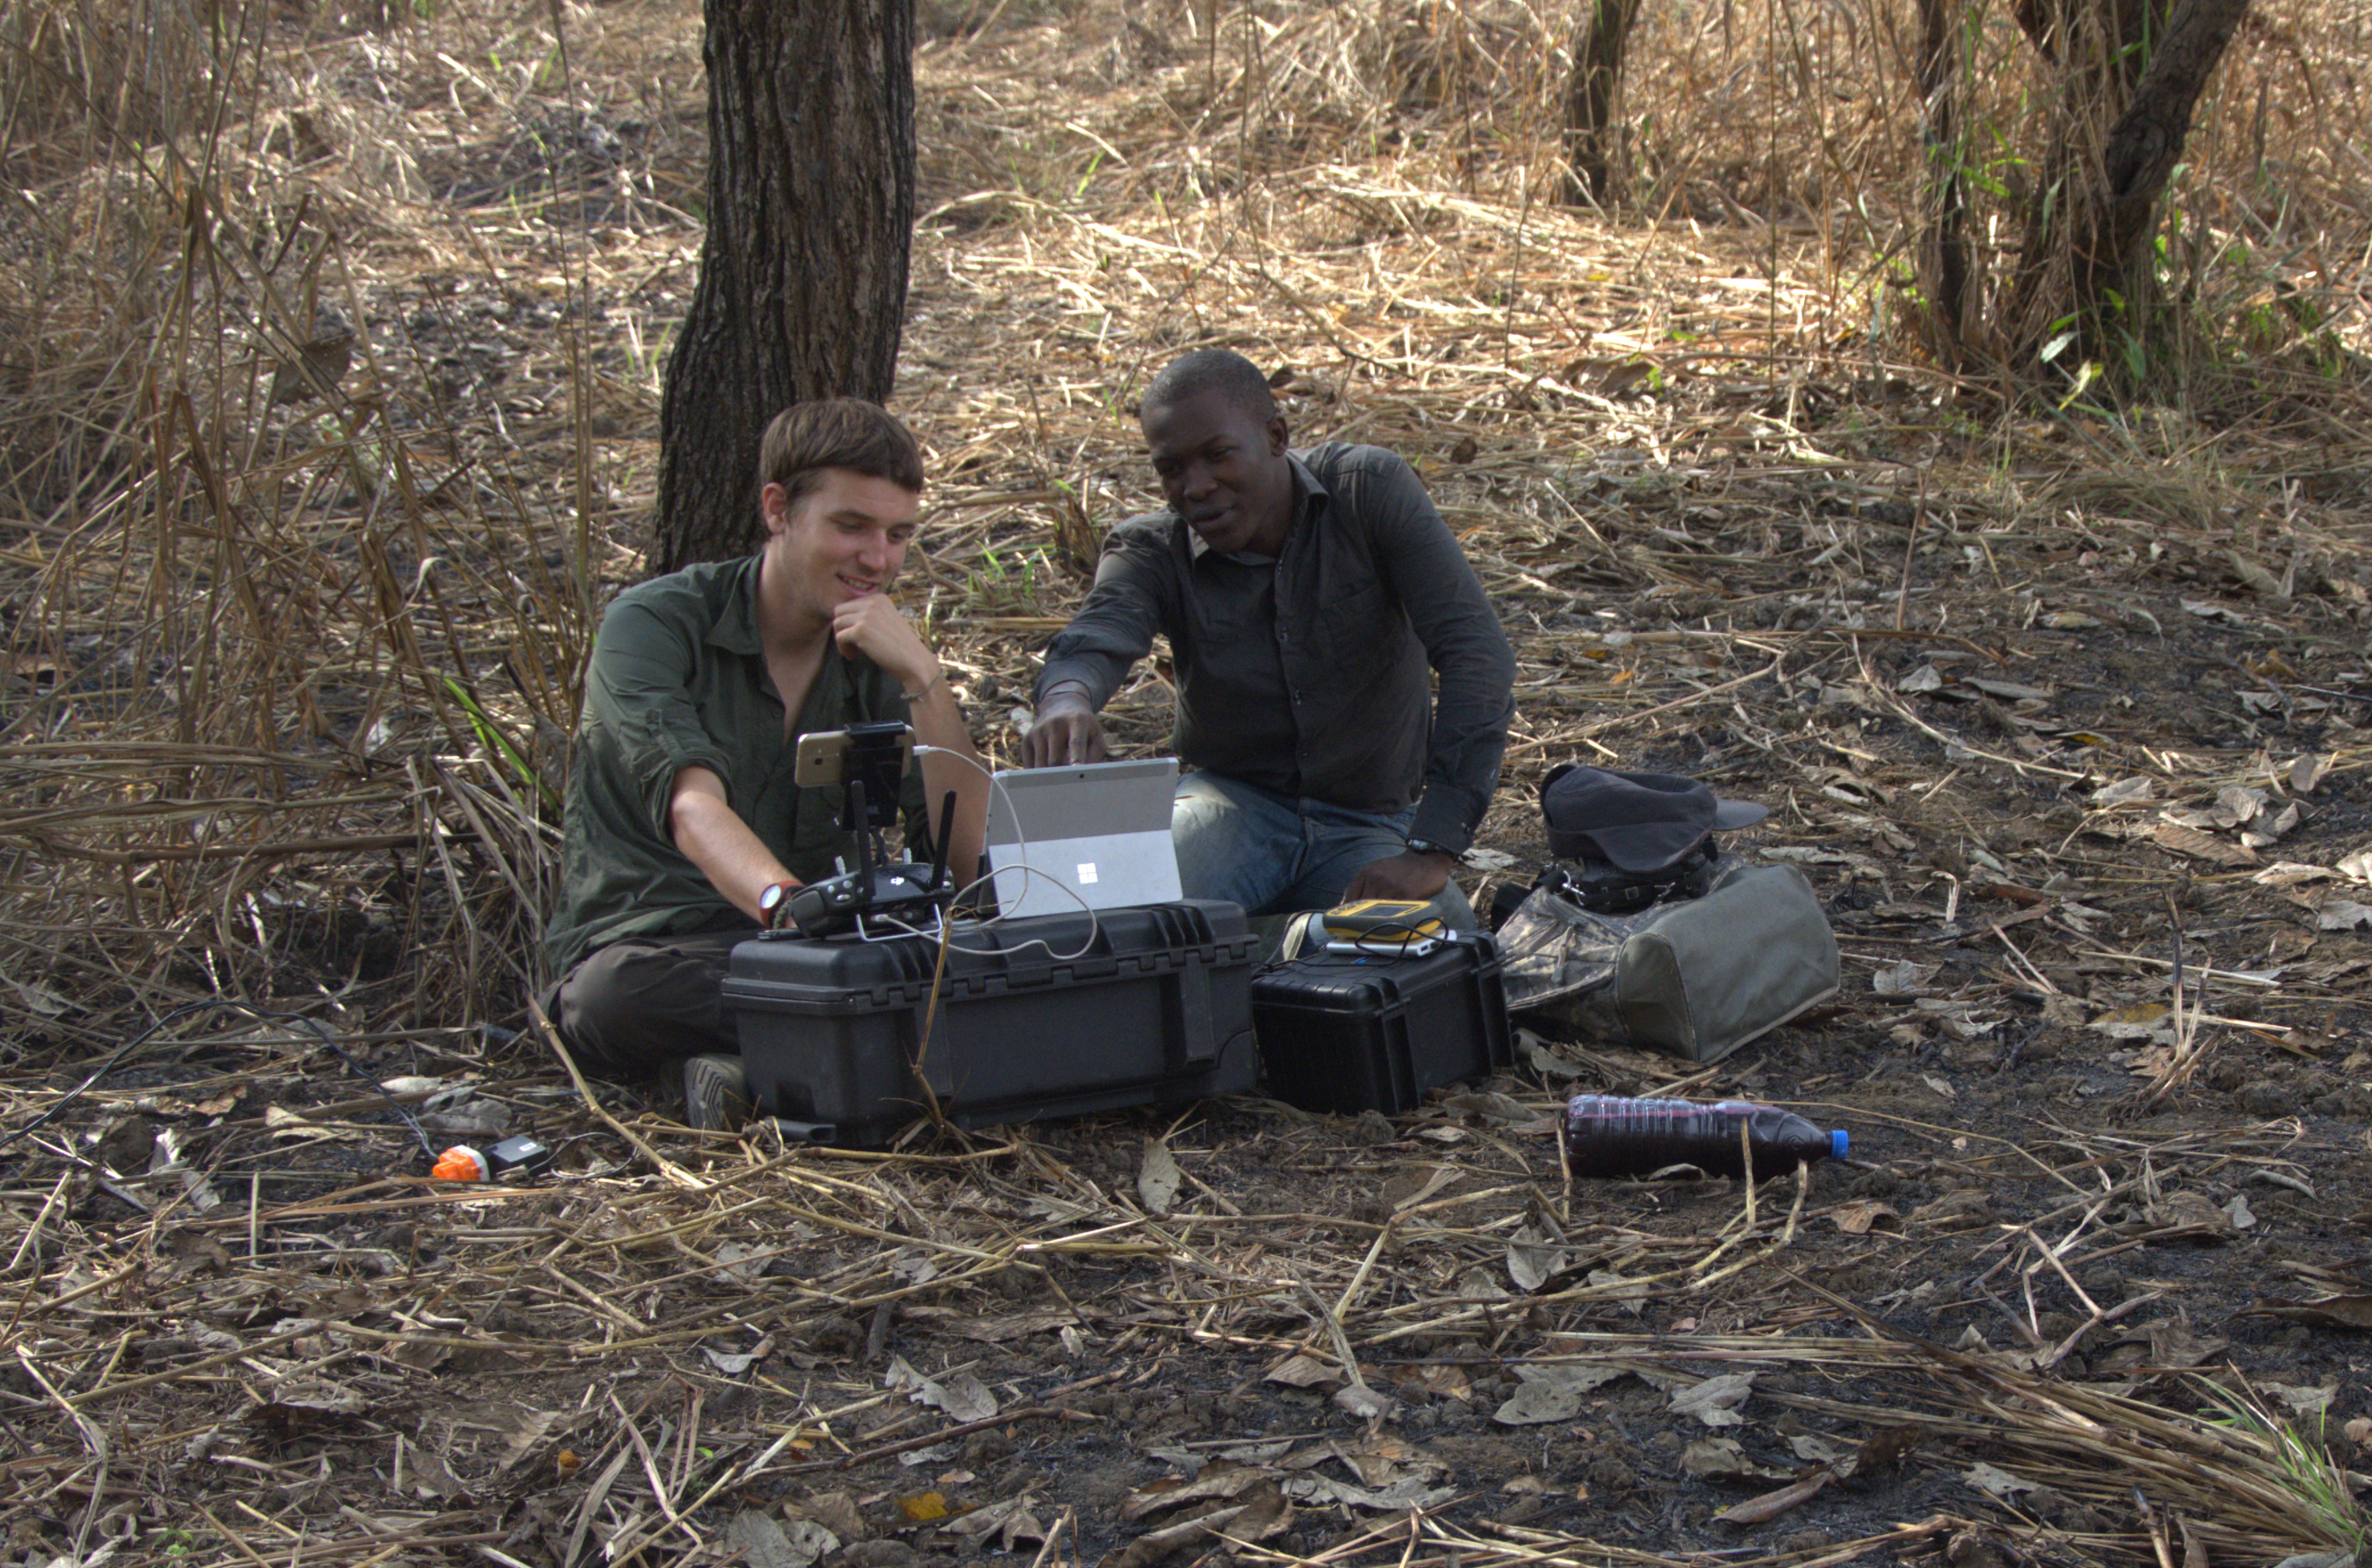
x: 1346, y: 1033
x: 1156, y: 1006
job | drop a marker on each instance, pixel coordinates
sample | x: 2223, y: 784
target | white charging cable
x: 1095, y: 927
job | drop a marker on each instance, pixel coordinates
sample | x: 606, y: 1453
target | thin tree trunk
x: 1944, y: 263
x: 2135, y: 71
x: 802, y: 284
x: 2108, y: 235
x: 1590, y: 101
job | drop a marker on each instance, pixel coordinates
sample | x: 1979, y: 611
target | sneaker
x: 716, y: 1094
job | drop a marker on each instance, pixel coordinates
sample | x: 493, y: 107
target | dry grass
x: 333, y: 369
x: 327, y: 391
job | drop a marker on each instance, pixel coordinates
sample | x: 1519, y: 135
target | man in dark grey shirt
x: 1305, y: 594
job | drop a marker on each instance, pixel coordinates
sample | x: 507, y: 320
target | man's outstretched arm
x: 712, y: 836
x: 1088, y: 658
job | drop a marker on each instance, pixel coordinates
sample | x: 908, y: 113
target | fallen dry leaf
x: 1221, y: 1479
x: 2143, y: 1020
x: 1862, y: 1215
x: 2201, y: 846
x: 1904, y: 977
x: 1715, y: 1401
x: 2304, y: 1400
x: 1302, y: 1370
x: 1886, y: 1448
x: 1771, y: 1504
x: 1996, y: 1481
x: 2328, y: 1312
x: 2290, y: 874
x: 1010, y: 1521
x: 962, y: 1395
x: 1550, y: 1393
x: 1717, y: 1458
x: 765, y: 1542
x: 1814, y: 1448
x: 1266, y: 1514
x: 1533, y: 1256
x: 1157, y: 1177
x: 2236, y: 805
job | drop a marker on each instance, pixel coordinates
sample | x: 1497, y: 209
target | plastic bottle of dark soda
x: 1611, y: 1135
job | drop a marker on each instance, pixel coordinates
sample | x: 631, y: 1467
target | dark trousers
x: 643, y: 1004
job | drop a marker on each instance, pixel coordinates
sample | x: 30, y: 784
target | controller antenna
x: 939, y: 845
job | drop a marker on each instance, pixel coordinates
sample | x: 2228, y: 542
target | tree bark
x: 1590, y: 101
x: 2135, y: 71
x: 802, y: 288
x: 1944, y: 265
x: 2109, y: 234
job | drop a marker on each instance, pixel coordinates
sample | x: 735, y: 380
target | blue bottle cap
x: 1839, y: 1142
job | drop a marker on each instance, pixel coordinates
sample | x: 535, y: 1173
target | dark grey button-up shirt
x: 1306, y: 674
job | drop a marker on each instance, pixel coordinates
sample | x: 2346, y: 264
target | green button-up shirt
x: 679, y: 680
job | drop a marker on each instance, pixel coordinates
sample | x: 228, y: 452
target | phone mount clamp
x: 882, y: 899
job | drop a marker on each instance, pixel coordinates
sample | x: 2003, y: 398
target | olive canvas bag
x: 1695, y: 977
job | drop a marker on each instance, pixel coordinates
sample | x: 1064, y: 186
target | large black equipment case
x: 1155, y: 1007
x: 1350, y: 1032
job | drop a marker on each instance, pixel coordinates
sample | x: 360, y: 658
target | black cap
x: 1638, y: 822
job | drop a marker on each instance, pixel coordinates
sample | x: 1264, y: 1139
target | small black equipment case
x: 1050, y: 1016
x: 1351, y: 1031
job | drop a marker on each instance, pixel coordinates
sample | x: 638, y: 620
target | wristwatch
x: 775, y: 901
x: 1426, y: 846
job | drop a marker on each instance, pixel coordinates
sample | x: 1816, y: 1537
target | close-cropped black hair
x: 1210, y: 369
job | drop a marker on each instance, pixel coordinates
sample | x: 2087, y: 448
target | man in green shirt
x: 683, y: 816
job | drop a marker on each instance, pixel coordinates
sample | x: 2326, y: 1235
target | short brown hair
x: 837, y: 433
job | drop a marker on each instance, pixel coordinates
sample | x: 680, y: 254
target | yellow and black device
x: 1378, y: 923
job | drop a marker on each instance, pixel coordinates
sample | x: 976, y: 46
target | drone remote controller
x: 835, y: 906
x: 870, y: 761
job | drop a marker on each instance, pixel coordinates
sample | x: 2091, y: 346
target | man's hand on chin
x: 874, y: 626
x: 1404, y: 876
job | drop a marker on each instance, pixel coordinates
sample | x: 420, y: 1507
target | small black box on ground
x: 1346, y: 1032
x: 1051, y: 1016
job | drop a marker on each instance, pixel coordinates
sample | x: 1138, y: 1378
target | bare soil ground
x: 2053, y: 709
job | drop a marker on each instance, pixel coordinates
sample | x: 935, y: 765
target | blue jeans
x: 1275, y: 855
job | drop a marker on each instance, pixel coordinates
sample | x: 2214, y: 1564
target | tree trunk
x: 1590, y: 101
x: 1944, y: 252
x: 802, y: 284
x: 2135, y: 71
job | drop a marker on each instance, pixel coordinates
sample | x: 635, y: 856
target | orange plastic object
x: 461, y: 1163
